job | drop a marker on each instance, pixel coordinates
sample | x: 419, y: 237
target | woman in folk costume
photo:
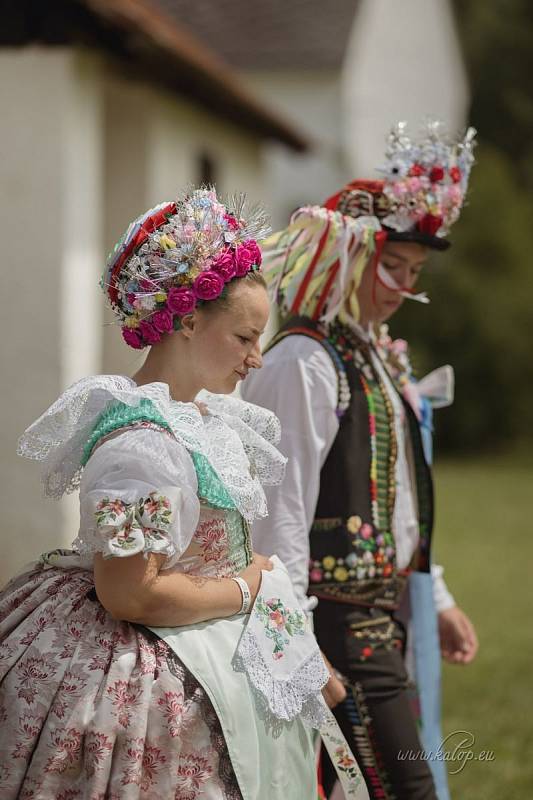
x: 160, y: 657
x: 353, y: 519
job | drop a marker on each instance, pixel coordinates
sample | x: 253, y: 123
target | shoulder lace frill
x: 236, y: 438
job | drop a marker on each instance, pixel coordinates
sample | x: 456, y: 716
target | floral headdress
x: 177, y: 256
x: 423, y: 188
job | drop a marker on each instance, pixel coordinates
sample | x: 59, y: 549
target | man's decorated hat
x: 423, y: 187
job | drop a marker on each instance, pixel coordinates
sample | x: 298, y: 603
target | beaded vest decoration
x: 353, y: 554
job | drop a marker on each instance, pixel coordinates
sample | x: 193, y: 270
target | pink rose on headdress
x: 162, y: 321
x: 208, y: 285
x: 399, y: 189
x: 233, y: 225
x: 181, y: 301
x: 254, y: 250
x: 399, y: 346
x: 243, y: 259
x: 132, y: 338
x: 225, y: 265
x: 148, y: 332
x: 455, y: 194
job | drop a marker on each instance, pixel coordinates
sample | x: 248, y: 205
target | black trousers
x: 377, y: 717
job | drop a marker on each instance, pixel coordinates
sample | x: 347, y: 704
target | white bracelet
x: 246, y: 596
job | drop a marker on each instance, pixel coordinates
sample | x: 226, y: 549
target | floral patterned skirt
x: 97, y: 709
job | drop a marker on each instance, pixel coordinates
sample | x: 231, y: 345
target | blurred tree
x: 481, y: 289
x: 497, y: 40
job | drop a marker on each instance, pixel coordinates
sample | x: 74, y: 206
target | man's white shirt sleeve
x: 299, y: 383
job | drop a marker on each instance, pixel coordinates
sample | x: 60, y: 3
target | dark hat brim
x: 433, y: 242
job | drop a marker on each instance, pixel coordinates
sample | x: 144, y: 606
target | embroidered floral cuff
x: 126, y: 529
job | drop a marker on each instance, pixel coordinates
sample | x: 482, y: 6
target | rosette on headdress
x: 423, y: 188
x: 177, y: 256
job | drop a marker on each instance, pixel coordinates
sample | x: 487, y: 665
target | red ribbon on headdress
x: 375, y: 188
x: 429, y: 224
x: 150, y: 224
x: 309, y: 274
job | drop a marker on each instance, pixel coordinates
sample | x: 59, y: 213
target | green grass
x: 484, y: 537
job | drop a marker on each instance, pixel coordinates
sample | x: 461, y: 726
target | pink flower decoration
x: 162, y: 321
x: 181, y: 301
x: 278, y: 619
x: 455, y: 194
x: 399, y: 189
x: 233, y: 225
x: 243, y: 259
x: 315, y: 575
x: 399, y: 346
x: 208, y: 285
x: 366, y: 531
x: 149, y: 333
x: 225, y: 265
x: 132, y: 338
x: 254, y: 250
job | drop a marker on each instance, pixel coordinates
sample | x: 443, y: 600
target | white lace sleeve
x: 138, y: 495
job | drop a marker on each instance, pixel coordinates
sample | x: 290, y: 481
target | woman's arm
x: 134, y: 589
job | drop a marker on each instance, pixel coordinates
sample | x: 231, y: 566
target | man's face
x: 402, y: 262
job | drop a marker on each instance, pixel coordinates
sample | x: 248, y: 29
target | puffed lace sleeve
x: 138, y: 494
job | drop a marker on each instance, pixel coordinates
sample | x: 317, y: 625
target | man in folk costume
x: 354, y: 517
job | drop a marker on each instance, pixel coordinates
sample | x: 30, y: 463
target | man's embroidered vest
x: 353, y: 552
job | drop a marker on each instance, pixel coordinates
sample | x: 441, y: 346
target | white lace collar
x: 236, y: 438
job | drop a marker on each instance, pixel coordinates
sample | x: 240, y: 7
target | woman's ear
x: 188, y: 325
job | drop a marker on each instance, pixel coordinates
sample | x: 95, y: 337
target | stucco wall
x: 50, y: 180
x: 311, y: 99
x: 403, y: 62
x: 86, y: 150
x: 154, y: 142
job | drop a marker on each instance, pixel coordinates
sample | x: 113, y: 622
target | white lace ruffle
x: 279, y: 653
x: 235, y: 437
x: 300, y: 695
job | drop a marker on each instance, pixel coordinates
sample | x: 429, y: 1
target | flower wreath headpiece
x: 177, y: 256
x: 423, y: 188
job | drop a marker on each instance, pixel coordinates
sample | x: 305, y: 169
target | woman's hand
x: 334, y: 691
x: 252, y: 574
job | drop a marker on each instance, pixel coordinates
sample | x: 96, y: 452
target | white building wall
x: 403, y: 62
x: 160, y: 161
x: 50, y: 178
x: 312, y: 100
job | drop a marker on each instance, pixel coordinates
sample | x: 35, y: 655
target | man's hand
x: 334, y: 691
x: 458, y: 640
